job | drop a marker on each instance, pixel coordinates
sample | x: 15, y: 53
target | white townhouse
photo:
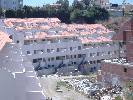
x: 51, y: 45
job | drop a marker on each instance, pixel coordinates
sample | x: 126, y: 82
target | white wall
x: 67, y: 45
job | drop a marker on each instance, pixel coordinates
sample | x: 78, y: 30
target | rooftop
x: 4, y: 38
x: 42, y: 28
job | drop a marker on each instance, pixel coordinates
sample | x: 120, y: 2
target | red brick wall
x: 119, y: 35
x: 129, y: 46
x: 116, y: 69
x: 126, y: 34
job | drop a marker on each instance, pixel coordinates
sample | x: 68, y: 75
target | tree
x: 64, y: 4
x: 89, y: 15
x: 52, y: 12
x: 75, y: 15
x: 1, y: 12
x: 86, y: 2
x: 20, y: 13
x: 79, y: 12
x: 27, y: 11
x: 78, y: 4
x: 10, y: 14
x: 63, y: 13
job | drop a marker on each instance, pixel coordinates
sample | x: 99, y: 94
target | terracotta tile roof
x: 4, y: 38
x: 52, y: 28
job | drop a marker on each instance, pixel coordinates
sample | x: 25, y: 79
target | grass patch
x: 118, y: 98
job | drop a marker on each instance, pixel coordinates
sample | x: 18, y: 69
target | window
x: 79, y: 55
x: 98, y: 53
x: 39, y: 59
x: 26, y: 42
x: 102, y: 59
x: 48, y: 50
x: 58, y: 49
x: 67, y: 56
x: 35, y: 40
x: 85, y: 44
x: 89, y: 45
x: 28, y: 52
x: 71, y: 48
x: 109, y: 52
x: 125, y: 51
x: 63, y: 49
x: 41, y: 51
x: 52, y: 59
x: 43, y: 40
x: 74, y: 63
x: 115, y: 52
x: 34, y: 51
x: 49, y: 59
x: 74, y: 56
x: 91, y: 62
x: 94, y: 54
x: 44, y: 60
x: 98, y: 61
x: 57, y: 58
x: 35, y: 60
x: 79, y: 47
x: 38, y: 51
x: 71, y: 56
x: 125, y: 70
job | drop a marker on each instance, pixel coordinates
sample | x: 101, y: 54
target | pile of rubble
x: 94, y: 90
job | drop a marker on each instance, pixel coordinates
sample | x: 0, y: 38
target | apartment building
x: 11, y: 4
x: 51, y: 45
x: 120, y: 70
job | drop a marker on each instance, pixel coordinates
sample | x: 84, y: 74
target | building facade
x: 51, y: 45
x: 11, y: 4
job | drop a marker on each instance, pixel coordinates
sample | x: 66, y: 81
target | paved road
x: 49, y: 85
